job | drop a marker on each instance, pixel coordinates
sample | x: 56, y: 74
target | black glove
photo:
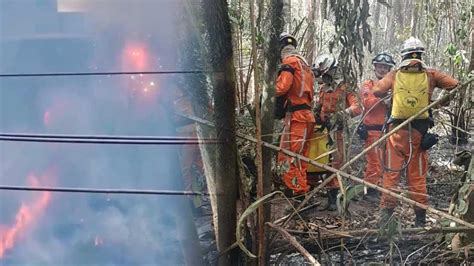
x: 362, y: 131
x: 428, y: 141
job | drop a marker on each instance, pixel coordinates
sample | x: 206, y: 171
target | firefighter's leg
x: 373, y: 168
x: 394, y: 159
x: 417, y: 172
x: 338, y: 161
x: 295, y: 177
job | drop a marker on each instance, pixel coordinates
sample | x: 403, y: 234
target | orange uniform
x: 374, y: 118
x: 329, y: 100
x: 295, y: 80
x: 398, y: 146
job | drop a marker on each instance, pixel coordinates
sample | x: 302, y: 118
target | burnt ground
x: 318, y: 230
x: 375, y: 247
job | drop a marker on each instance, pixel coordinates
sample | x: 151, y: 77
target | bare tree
x: 221, y: 57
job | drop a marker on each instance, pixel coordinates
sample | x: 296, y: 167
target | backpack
x: 280, y: 107
x: 410, y: 94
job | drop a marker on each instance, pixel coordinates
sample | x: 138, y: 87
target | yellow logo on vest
x: 410, y: 94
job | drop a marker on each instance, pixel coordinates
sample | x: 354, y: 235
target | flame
x: 25, y: 218
x: 135, y: 57
x: 98, y: 241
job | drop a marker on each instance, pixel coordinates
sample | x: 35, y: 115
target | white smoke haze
x: 89, y: 229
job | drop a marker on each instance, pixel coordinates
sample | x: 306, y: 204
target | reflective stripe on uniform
x: 420, y: 166
x: 302, y: 79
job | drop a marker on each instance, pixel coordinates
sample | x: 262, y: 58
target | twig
x: 399, y: 252
x: 416, y: 251
x: 453, y: 126
x: 295, y: 243
x: 302, y: 210
x: 332, y: 234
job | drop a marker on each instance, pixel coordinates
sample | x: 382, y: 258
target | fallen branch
x: 295, y: 243
x: 332, y: 234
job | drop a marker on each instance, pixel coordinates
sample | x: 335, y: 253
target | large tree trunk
x: 221, y: 57
x: 271, y: 55
x: 192, y: 54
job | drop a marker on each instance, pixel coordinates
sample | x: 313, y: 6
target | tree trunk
x: 398, y: 10
x: 221, y: 57
x: 324, y: 7
x: 414, y: 18
x: 286, y: 15
x: 271, y: 55
x: 377, y: 27
x: 192, y: 48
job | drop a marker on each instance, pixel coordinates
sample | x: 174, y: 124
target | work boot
x: 332, y: 199
x: 386, y: 215
x: 420, y: 217
x: 372, y: 196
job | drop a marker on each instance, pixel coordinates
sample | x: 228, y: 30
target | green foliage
x: 353, y: 34
x: 351, y: 193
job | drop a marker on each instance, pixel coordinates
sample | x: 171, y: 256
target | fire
x: 135, y: 57
x: 98, y: 241
x: 25, y: 218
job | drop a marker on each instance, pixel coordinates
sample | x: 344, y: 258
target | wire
x: 108, y: 141
x: 106, y: 191
x: 116, y: 137
x: 19, y: 75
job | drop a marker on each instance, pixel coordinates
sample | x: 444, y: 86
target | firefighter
x: 294, y: 92
x: 373, y: 121
x: 411, y: 87
x: 335, y: 102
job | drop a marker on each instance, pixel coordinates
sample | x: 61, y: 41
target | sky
x: 43, y: 228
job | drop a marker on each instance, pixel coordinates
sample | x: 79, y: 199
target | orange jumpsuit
x: 374, y: 112
x: 397, y: 148
x: 295, y: 80
x: 329, y: 101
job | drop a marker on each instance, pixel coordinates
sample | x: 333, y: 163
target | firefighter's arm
x: 444, y: 81
x: 368, y: 98
x: 383, y: 86
x: 354, y: 108
x: 285, y: 79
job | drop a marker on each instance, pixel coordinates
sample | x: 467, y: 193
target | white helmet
x: 286, y: 39
x: 324, y: 64
x: 412, y: 45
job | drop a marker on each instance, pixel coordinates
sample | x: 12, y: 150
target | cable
x: 107, y: 141
x: 170, y: 72
x: 116, y: 137
x: 106, y: 191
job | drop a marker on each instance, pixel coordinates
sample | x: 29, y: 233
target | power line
x: 116, y: 137
x: 19, y: 75
x: 108, y: 141
x: 106, y: 191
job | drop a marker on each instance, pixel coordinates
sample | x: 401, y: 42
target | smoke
x: 84, y: 229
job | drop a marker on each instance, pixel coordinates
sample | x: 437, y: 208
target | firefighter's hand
x: 344, y: 113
